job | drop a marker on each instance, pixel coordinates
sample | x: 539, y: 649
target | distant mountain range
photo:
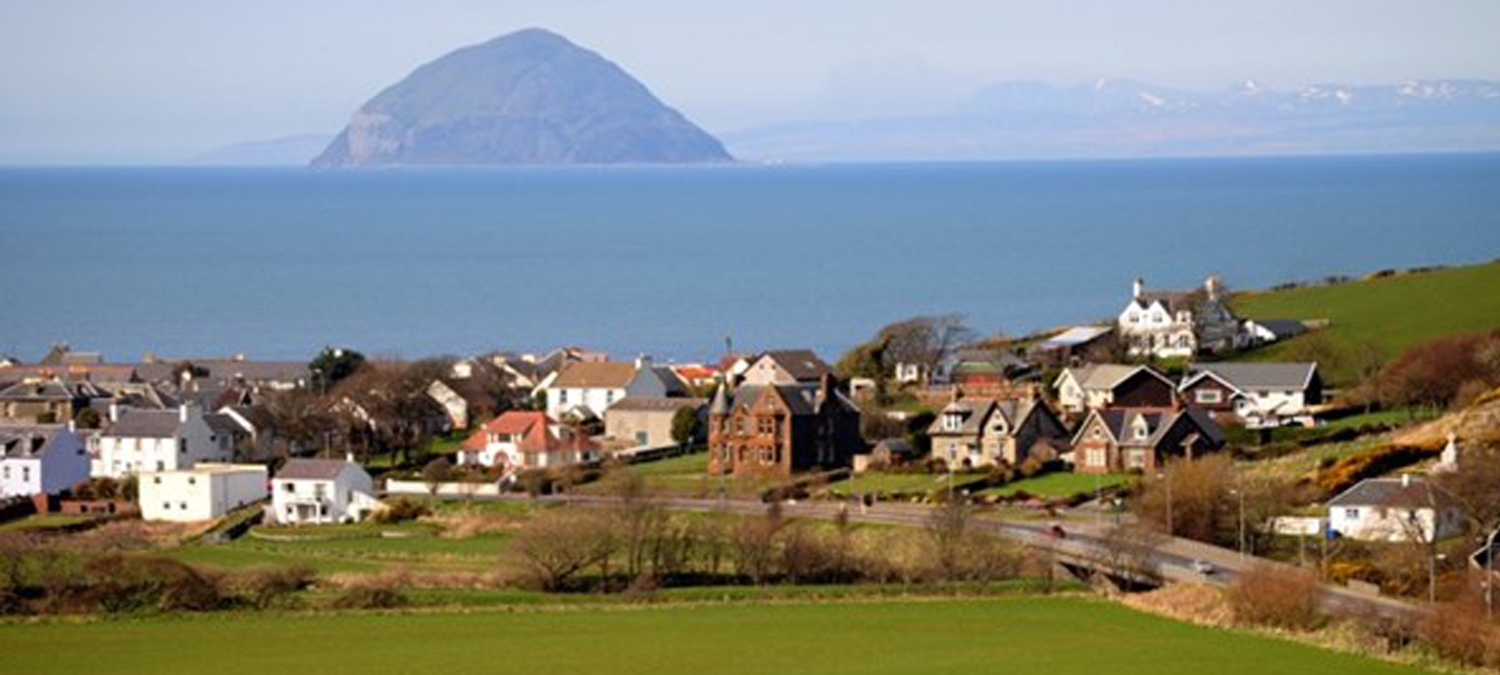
x: 1105, y: 118
x: 530, y: 97
x: 1121, y: 118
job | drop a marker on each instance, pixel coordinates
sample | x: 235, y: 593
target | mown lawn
x: 1391, y: 313
x: 1051, y: 635
x: 1059, y: 484
x: 876, y: 482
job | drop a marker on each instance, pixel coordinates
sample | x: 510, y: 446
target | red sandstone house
x: 519, y: 440
x: 775, y: 430
x: 1142, y: 439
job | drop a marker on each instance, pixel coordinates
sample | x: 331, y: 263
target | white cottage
x: 139, y: 441
x: 205, y: 492
x: 35, y: 460
x: 1168, y: 324
x: 1395, y: 509
x: 318, y: 491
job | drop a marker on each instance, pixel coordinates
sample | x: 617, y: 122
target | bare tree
x: 559, y: 544
x: 754, y: 544
x: 925, y: 340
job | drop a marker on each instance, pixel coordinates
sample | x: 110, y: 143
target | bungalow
x: 205, y: 492
x: 1273, y: 330
x: 1395, y: 509
x: 585, y: 389
x: 318, y: 491
x: 1103, y: 385
x: 1257, y: 394
x: 37, y: 460
x: 986, y: 432
x: 162, y: 440
x: 523, y: 439
x: 1141, y: 439
x: 646, y: 421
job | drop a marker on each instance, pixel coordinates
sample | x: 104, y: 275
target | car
x: 1204, y: 567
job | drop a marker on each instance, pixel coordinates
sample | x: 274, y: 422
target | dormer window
x: 1141, y: 432
x: 953, y: 421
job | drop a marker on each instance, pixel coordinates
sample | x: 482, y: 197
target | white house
x: 1168, y: 324
x: 318, y: 491
x: 521, y: 439
x: 1258, y: 394
x: 585, y: 389
x: 162, y: 440
x: 36, y: 460
x: 204, y: 492
x: 1395, y: 509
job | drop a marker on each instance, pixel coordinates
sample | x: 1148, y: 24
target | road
x: 1172, y: 558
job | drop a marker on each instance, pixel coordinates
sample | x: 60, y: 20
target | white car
x: 1204, y: 567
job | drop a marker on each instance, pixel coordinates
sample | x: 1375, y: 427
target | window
x: 562, y: 396
x: 1209, y: 396
x: 1096, y: 457
x: 1351, y: 513
x: 7, y: 473
x: 764, y: 425
x: 192, y: 480
x: 26, y: 473
x: 288, y: 487
x: 166, y: 506
x: 157, y: 480
x: 182, y: 506
x: 1141, y: 431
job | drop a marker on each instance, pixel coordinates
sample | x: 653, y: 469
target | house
x: 1263, y: 331
x: 1395, y: 509
x: 696, y: 375
x: 1170, y: 324
x: 256, y: 433
x: 1102, y: 385
x: 775, y: 430
x: 585, y: 389
x: 47, y: 401
x: 1070, y: 345
x: 978, y: 367
x: 1142, y: 439
x: 785, y: 366
x: 1256, y: 394
x: 986, y: 432
x: 205, y: 492
x: 524, y: 439
x: 40, y: 460
x: 646, y: 421
x: 319, y: 491
x: 886, y: 453
x: 139, y: 441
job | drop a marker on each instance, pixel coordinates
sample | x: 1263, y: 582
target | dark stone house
x: 776, y: 430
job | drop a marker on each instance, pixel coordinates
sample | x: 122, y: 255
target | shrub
x: 370, y: 595
x: 119, y: 584
x: 1276, y: 596
x: 400, y: 510
x: 273, y: 586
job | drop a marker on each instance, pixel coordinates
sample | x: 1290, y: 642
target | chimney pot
x: 1405, y: 480
x: 182, y: 412
x: 349, y: 457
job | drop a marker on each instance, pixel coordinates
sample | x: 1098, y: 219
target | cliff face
x: 530, y: 97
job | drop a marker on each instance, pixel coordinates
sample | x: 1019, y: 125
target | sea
x: 684, y: 263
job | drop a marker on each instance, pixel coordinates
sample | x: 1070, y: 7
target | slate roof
x: 655, y: 403
x: 1075, y: 336
x: 608, y: 375
x: 50, y: 390
x: 223, y: 424
x: 1393, y: 492
x: 803, y: 364
x: 801, y: 399
x: 1258, y: 376
x: 974, y: 410
x: 146, y: 424
x: 1106, y: 375
x: 311, y: 469
x: 1119, y: 420
x: 1282, y: 328
x: 28, y: 441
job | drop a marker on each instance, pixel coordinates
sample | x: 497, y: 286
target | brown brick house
x: 1141, y: 439
x: 776, y: 430
x: 985, y: 432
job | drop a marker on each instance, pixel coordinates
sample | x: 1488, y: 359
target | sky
x: 153, y: 81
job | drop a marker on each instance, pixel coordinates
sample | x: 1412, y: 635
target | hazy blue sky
x: 155, y: 80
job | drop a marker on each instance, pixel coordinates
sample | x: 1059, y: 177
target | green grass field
x: 350, y: 548
x: 1391, y: 313
x: 876, y: 482
x: 1058, y: 484
x: 1055, y: 636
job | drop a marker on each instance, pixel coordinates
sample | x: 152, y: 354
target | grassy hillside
x: 1055, y: 636
x: 1390, y: 314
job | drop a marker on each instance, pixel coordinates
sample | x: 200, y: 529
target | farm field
x: 1054, y: 635
x: 1391, y: 314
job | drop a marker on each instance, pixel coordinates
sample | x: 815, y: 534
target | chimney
x: 1138, y: 287
x: 182, y: 412
x: 1405, y: 480
x: 72, y: 426
x: 349, y: 457
x: 114, y: 411
x: 643, y: 362
x: 1211, y: 285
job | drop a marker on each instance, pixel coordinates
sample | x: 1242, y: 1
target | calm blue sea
x: 277, y: 263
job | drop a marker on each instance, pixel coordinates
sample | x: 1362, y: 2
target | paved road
x: 1172, y: 558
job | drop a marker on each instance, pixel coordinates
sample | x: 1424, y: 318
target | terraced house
x: 775, y: 430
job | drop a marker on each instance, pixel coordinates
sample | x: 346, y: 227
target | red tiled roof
x: 535, y: 429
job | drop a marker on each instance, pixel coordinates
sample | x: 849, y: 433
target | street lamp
x: 1432, y: 562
